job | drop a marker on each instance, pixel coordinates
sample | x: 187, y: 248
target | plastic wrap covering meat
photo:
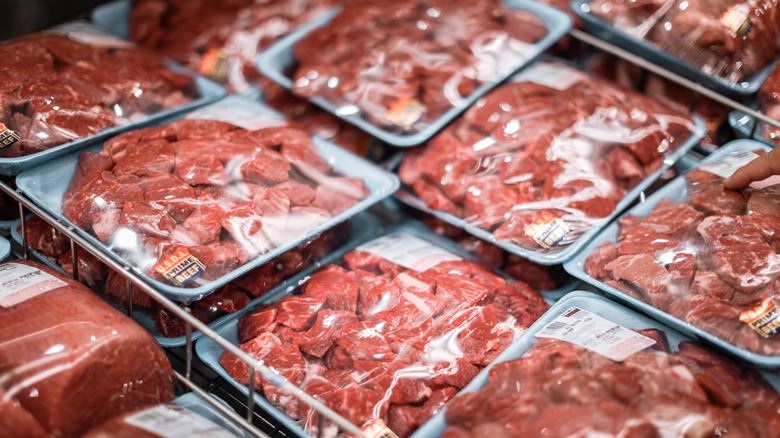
x: 162, y: 421
x: 731, y: 40
x: 544, y: 158
x: 391, y: 337
x: 404, y: 64
x: 59, y: 86
x: 769, y: 100
x: 539, y: 277
x: 710, y: 260
x: 558, y: 389
x: 68, y: 360
x: 675, y: 96
x: 190, y: 201
x: 315, y: 120
x: 219, y: 39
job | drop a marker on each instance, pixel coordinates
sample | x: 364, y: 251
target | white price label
x: 408, y: 251
x: 22, y: 282
x: 173, y: 422
x: 556, y: 76
x: 726, y: 166
x: 588, y: 330
x: 237, y: 116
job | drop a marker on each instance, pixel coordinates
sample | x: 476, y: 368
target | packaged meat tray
x: 545, y: 160
x: 691, y: 257
x: 52, y: 249
x: 378, y: 315
x: 441, y: 58
x: 77, y: 84
x: 5, y: 248
x: 612, y: 388
x: 768, y: 102
x: 727, y: 46
x: 188, y: 415
x: 68, y: 360
x: 193, y: 223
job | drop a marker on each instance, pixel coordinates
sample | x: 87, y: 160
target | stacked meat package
x: 68, y: 360
x: 551, y: 149
x: 391, y: 332
x: 403, y: 65
x: 729, y: 39
x: 59, y: 86
x: 250, y: 215
x: 708, y: 256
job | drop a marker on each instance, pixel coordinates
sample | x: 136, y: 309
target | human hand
x: 759, y: 169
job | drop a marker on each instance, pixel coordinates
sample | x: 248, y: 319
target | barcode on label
x: 597, y: 334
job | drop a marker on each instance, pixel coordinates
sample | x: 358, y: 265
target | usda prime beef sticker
x: 21, y: 282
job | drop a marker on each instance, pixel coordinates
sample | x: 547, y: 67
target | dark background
x: 25, y: 16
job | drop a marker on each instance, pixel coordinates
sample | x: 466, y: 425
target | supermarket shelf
x: 135, y: 282
x: 660, y: 71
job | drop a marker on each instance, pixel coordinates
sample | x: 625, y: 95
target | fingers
x: 761, y: 168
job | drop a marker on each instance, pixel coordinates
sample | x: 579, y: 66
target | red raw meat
x: 90, y: 267
x: 255, y: 323
x: 339, y: 285
x: 600, y: 257
x: 459, y: 292
x: 45, y: 238
x: 100, y: 191
x: 646, y: 242
x: 146, y: 220
x: 403, y: 420
x: 364, y: 341
x: 267, y: 167
x: 171, y: 194
x: 319, y: 338
x: 647, y: 274
x: 299, y: 312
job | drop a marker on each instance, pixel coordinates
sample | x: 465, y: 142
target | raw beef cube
x: 364, y: 341
x: 272, y: 203
x: 709, y: 196
x: 596, y: 206
x: 302, y: 220
x: 397, y: 378
x: 45, y: 238
x: 206, y: 220
x: 319, y: 338
x: 154, y: 157
x: 513, y: 229
x: 403, y: 420
x: 286, y: 360
x: 200, y: 169
x: 116, y: 289
x: 246, y: 227
x: 259, y: 280
x: 623, y: 164
x: 490, y: 201
x: 343, y: 401
x: 672, y: 219
x: 362, y: 260
x: 90, y: 267
x: 459, y: 292
x: 725, y: 231
x: 299, y: 312
x: 338, y: 358
x: 682, y: 268
x: 519, y: 168
x: 457, y: 373
x: 411, y: 340
x: 224, y: 258
x: 434, y: 198
x: 165, y: 191
x: 414, y: 281
x: 646, y: 242
x: 339, y: 285
x: 299, y: 193
x: 708, y: 283
x: 601, y: 256
x: 88, y: 161
x: 747, y: 268
x: 712, y: 316
x: 475, y: 332
x: 647, y: 274
x: 765, y: 201
x: 375, y: 294
x: 101, y: 191
x: 256, y: 323
x: 147, y: 220
x: 409, y: 310
x: 522, y: 301
x: 105, y: 223
x: 267, y: 167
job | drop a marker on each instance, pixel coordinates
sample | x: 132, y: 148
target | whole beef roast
x: 68, y: 360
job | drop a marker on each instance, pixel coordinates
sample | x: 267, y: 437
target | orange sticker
x: 763, y: 318
x: 736, y: 21
x: 215, y: 64
x: 8, y: 137
x: 377, y: 429
x: 547, y: 230
x: 180, y: 267
x: 405, y: 112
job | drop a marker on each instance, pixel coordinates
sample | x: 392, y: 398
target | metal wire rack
x: 197, y: 379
